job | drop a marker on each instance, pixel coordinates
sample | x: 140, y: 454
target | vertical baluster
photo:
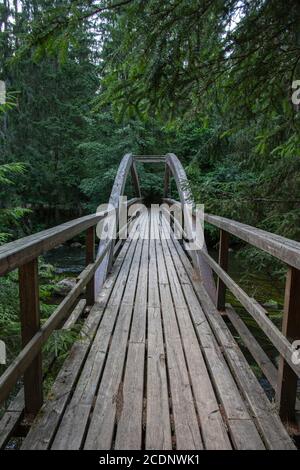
x: 223, y: 262
x: 135, y: 179
x: 167, y: 181
x: 30, y: 324
x: 90, y: 258
x: 287, y: 379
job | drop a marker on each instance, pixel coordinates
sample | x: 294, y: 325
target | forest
x: 211, y: 80
x: 86, y: 81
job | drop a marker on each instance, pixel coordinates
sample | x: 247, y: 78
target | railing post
x: 135, y: 179
x: 30, y: 324
x: 287, y: 379
x: 90, y: 258
x: 223, y: 262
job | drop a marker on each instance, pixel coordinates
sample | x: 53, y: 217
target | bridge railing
x: 173, y: 167
x: 23, y: 255
x: 127, y: 165
x: 287, y: 251
x: 284, y: 380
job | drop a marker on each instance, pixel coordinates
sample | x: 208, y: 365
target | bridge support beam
x: 90, y: 258
x: 167, y: 181
x: 135, y: 179
x: 223, y: 262
x: 287, y: 379
x: 30, y: 325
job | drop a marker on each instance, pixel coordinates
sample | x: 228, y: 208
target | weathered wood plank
x: 75, y: 315
x: 287, y: 379
x: 281, y: 343
x: 185, y: 418
x: 8, y: 424
x: 150, y: 160
x: 11, y: 418
x: 33, y: 347
x: 89, y: 259
x: 158, y: 427
x: 110, y: 398
x: 129, y: 416
x: 253, y: 347
x: 71, y: 432
x: 149, y: 156
x: 42, y: 433
x: 30, y: 325
x: 213, y: 430
x: 19, y: 252
x: 274, y: 434
x: 282, y: 248
x: 244, y: 436
x: 223, y: 262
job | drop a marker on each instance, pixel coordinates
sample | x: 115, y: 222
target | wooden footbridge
x: 157, y: 365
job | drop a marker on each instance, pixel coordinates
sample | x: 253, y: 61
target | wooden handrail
x: 23, y: 254
x: 254, y: 308
x: 285, y: 250
x: 259, y: 314
x: 21, y: 363
x: 281, y: 248
x: 174, y: 166
x: 150, y: 158
x: 126, y: 165
x: 19, y: 252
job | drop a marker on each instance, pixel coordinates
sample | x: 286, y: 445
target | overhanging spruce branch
x: 98, y: 10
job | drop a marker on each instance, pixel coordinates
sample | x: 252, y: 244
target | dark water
x: 66, y: 259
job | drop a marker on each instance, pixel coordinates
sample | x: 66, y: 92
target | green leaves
x: 60, y: 342
x: 10, y: 216
x: 9, y: 170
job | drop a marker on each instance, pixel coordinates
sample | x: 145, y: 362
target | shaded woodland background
x: 90, y: 80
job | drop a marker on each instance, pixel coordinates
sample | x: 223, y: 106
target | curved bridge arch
x: 126, y: 165
x: 162, y: 322
x: 175, y: 168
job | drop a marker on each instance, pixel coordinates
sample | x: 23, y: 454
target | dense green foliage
x: 87, y: 81
x: 222, y: 71
x: 210, y: 80
x: 59, y: 342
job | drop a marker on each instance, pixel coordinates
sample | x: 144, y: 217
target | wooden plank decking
x: 157, y: 367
